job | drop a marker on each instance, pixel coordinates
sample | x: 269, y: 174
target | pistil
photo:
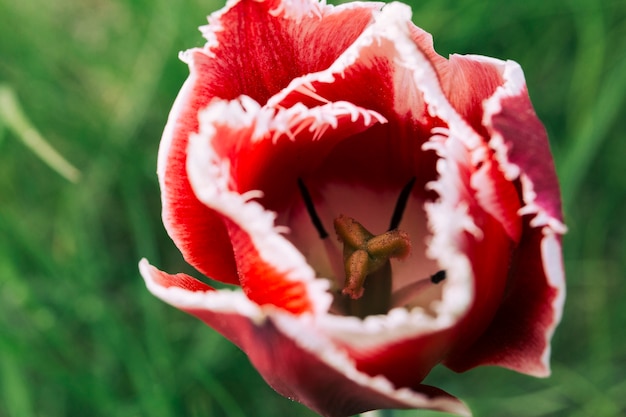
x: 367, y: 265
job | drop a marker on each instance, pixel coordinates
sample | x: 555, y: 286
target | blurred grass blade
x: 15, y: 392
x: 602, y: 115
x: 12, y: 115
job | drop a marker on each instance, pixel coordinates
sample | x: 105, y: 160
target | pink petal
x: 468, y: 81
x: 291, y: 355
x: 522, y: 148
x: 241, y: 58
x: 519, y: 337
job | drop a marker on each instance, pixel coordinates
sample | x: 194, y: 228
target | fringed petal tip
x: 522, y: 149
x: 189, y: 294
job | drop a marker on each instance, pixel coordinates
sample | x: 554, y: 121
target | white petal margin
x: 302, y: 330
x: 224, y: 301
x: 165, y: 145
x: 298, y: 328
x: 553, y: 267
x: 210, y: 176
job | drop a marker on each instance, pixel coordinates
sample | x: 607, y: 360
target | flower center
x: 366, y: 285
x: 366, y: 262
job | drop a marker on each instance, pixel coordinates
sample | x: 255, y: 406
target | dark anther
x: 401, y: 204
x: 437, y: 277
x: 310, y: 208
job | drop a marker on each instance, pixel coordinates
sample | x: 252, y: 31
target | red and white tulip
x: 381, y: 209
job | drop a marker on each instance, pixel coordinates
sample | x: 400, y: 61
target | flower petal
x: 522, y: 148
x: 396, y: 345
x: 252, y: 39
x: 244, y: 153
x: 491, y: 95
x: 290, y: 354
x: 468, y: 81
x: 519, y: 337
x: 197, y: 231
x: 383, y: 71
x: 256, y: 48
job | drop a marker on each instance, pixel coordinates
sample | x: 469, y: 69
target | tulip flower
x: 378, y: 209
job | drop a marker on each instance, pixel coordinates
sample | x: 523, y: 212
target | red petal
x: 467, y: 82
x: 248, y: 46
x: 475, y: 287
x: 256, y: 48
x: 291, y: 355
x: 383, y: 71
x: 261, y: 280
x: 424, y: 41
x: 523, y: 149
x: 498, y: 197
x: 519, y: 336
x: 197, y: 231
x: 245, y: 152
x: 490, y: 258
x: 271, y: 156
x: 491, y: 96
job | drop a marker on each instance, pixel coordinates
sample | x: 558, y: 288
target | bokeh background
x: 95, y: 79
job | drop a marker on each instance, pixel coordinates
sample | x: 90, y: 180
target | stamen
x: 310, y: 208
x: 438, y: 276
x: 409, y: 292
x: 403, y: 198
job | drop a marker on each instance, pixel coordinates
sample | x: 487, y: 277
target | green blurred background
x: 79, y: 333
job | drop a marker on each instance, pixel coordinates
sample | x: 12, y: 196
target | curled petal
x: 519, y: 336
x: 290, y: 354
x: 245, y: 38
x: 522, y: 148
x: 198, y: 231
x: 241, y: 148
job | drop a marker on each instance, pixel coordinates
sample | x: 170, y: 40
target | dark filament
x: 437, y: 277
x: 310, y: 208
x: 401, y: 204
